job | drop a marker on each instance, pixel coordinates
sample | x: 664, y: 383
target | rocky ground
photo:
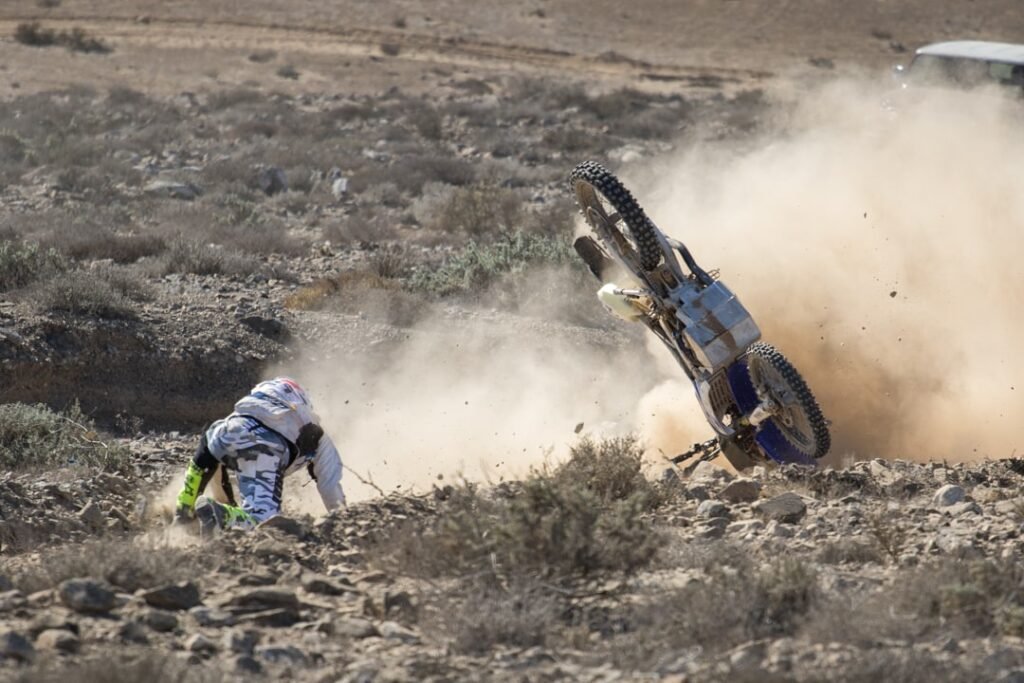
x: 192, y: 199
x: 885, y: 569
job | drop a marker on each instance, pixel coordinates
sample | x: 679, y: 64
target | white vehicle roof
x: 1010, y: 53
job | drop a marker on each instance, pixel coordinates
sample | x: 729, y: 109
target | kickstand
x: 704, y: 452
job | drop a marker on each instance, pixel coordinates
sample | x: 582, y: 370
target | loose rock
x: 949, y: 494
x: 741, y: 491
x: 159, y: 620
x: 87, y: 596
x: 178, y: 596
x: 58, y: 639
x: 712, y: 508
x: 787, y: 508
x: 15, y: 646
x: 200, y: 644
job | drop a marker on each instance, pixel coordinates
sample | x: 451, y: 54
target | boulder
x: 787, y: 508
x: 92, y: 516
x: 282, y: 654
x: 15, y: 646
x: 133, y: 632
x: 211, y: 616
x: 741, y: 491
x: 160, y: 620
x: 324, y: 585
x: 354, y: 627
x: 712, y: 508
x: 174, y: 189
x: 58, y: 639
x: 271, y: 180
x: 392, y: 630
x: 256, y: 599
x: 201, y: 645
x: 950, y: 494
x: 175, y: 596
x: 87, y: 596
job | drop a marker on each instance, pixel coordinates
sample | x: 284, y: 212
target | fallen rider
x: 273, y: 432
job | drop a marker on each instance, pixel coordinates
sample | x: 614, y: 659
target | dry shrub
x: 235, y: 97
x: 480, y: 211
x: 899, y: 665
x: 610, y: 468
x: 76, y: 40
x: 22, y: 263
x: 957, y: 598
x: 547, y: 526
x: 738, y: 601
x: 390, y: 262
x: 311, y: 297
x: 95, y: 242
x: 189, y: 256
x: 363, y: 292
x: 128, y: 564
x: 263, y: 56
x: 849, y: 551
x: 413, y: 172
x: 119, y: 666
x: 890, y: 537
x: 105, y: 294
x: 35, y: 436
x: 478, y: 617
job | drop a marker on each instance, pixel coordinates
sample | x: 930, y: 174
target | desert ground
x: 372, y: 197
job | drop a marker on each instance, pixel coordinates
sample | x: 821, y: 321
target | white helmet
x: 280, y: 404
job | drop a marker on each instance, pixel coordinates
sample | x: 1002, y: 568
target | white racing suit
x: 272, y: 433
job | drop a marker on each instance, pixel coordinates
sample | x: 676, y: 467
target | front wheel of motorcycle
x: 608, y: 206
x: 797, y: 422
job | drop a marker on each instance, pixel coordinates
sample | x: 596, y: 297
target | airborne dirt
x: 413, y: 270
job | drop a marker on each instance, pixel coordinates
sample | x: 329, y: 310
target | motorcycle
x: 759, y: 406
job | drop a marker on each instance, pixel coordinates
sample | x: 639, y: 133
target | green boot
x: 214, y: 516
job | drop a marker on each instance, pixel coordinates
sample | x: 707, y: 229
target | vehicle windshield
x: 964, y: 73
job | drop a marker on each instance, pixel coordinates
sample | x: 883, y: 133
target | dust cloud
x: 484, y: 399
x: 881, y: 250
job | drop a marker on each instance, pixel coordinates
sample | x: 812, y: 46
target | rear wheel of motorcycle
x: 799, y: 419
x: 597, y: 190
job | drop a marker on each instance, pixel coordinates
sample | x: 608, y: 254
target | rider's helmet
x: 281, y: 404
x: 289, y: 391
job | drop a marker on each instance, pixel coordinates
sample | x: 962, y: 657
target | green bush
x: 480, y: 264
x: 34, y: 436
x: 22, y: 263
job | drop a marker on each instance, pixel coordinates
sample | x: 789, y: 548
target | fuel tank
x: 716, y: 325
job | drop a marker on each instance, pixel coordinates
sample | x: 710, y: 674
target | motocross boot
x: 214, y: 517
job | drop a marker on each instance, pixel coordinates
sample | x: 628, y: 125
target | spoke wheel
x: 616, y: 217
x: 795, y: 411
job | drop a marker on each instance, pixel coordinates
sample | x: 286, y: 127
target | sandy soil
x: 165, y: 47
